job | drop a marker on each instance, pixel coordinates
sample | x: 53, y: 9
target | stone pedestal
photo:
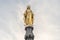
x: 29, y: 33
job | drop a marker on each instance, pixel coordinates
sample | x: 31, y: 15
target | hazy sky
x: 46, y: 19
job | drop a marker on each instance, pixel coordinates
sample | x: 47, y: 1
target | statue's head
x: 28, y: 7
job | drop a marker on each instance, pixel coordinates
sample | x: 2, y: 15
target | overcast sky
x: 46, y: 19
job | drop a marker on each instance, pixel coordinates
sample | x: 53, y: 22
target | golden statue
x: 28, y: 17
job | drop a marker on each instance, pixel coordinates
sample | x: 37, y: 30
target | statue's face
x: 28, y: 11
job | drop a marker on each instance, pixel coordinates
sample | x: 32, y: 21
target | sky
x: 46, y: 19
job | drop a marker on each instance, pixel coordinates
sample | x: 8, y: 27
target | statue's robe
x: 28, y: 17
